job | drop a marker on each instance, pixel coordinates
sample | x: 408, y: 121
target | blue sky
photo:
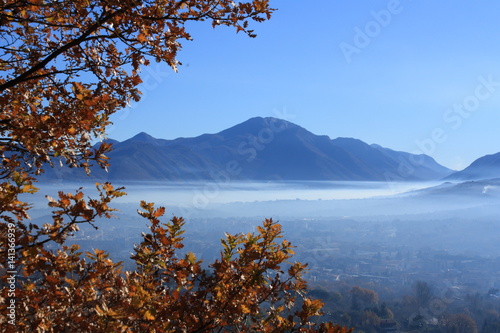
x: 416, y: 76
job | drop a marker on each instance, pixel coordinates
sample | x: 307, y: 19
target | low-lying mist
x: 458, y: 217
x: 382, y: 236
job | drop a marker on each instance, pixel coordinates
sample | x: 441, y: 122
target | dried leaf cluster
x: 66, y: 66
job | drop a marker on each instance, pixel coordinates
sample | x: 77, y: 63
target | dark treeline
x: 420, y: 308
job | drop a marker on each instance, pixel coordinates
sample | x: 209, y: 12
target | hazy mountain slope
x: 485, y: 167
x: 259, y: 149
x: 420, y: 166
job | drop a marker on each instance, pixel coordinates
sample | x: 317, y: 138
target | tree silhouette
x: 423, y: 293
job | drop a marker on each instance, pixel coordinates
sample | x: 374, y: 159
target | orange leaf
x: 141, y: 37
x: 148, y: 316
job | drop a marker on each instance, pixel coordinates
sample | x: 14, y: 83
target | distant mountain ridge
x: 258, y: 149
x: 486, y: 167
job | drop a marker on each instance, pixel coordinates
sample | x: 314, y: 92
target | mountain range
x: 259, y: 149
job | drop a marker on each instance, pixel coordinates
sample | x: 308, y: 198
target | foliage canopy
x: 66, y: 67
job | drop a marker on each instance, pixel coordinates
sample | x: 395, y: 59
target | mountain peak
x: 256, y: 124
x: 143, y: 137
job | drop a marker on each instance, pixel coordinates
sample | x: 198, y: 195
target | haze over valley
x: 358, y: 214
x: 268, y: 167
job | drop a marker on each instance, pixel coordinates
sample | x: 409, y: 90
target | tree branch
x: 28, y: 74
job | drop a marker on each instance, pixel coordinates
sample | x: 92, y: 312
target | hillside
x: 258, y: 149
x: 486, y: 167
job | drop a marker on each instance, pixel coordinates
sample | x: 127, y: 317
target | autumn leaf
x: 148, y: 316
x: 141, y: 37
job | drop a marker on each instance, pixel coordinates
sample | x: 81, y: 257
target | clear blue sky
x: 417, y: 76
